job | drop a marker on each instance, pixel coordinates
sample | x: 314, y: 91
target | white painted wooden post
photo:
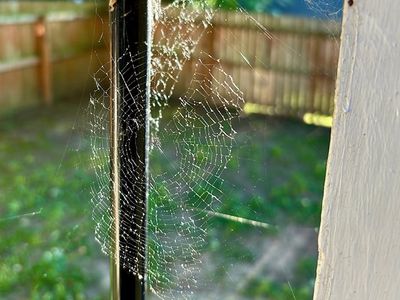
x: 359, y: 240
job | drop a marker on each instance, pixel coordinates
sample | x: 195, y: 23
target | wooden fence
x: 284, y: 66
x: 49, y: 57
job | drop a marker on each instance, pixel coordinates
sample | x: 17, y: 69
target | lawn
x: 47, y: 247
x: 47, y: 244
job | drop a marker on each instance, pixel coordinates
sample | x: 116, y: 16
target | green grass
x: 276, y: 173
x: 275, y: 176
x: 47, y: 245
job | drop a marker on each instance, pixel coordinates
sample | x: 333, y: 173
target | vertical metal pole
x: 130, y: 32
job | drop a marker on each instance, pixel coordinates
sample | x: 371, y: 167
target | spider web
x: 203, y: 137
x: 186, y: 191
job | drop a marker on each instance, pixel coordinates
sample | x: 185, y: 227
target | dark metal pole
x: 131, y: 42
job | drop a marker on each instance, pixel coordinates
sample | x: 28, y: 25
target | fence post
x: 315, y: 58
x: 44, y: 69
x: 208, y: 57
